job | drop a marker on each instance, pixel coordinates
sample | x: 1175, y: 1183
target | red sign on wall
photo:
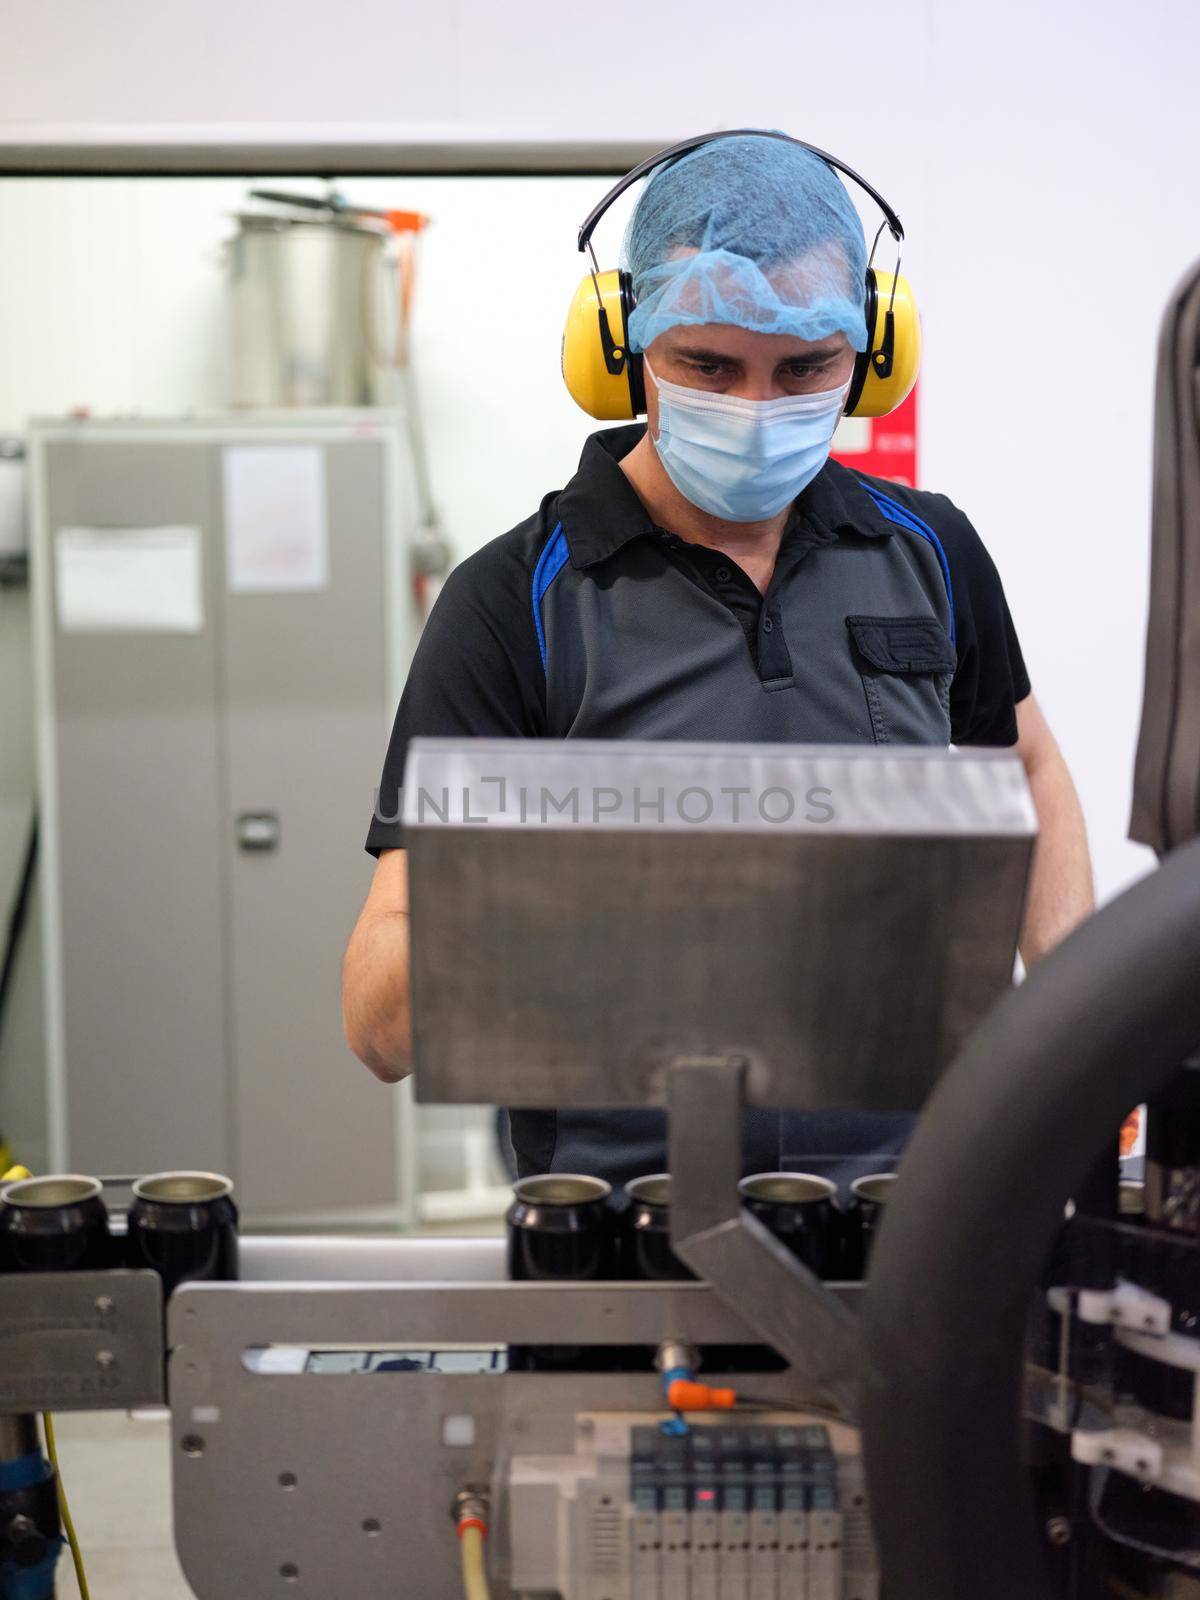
x: 886, y: 447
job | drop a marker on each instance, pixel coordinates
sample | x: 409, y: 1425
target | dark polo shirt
x: 884, y: 622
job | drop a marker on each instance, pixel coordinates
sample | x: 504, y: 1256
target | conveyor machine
x: 698, y: 928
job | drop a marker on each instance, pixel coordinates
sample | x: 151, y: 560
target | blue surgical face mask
x: 743, y: 460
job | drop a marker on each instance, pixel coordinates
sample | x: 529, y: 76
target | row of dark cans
x: 565, y: 1226
x: 182, y: 1225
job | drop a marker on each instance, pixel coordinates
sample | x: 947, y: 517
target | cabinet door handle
x: 258, y: 830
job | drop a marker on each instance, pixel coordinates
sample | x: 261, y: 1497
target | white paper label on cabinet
x: 276, y: 522
x: 128, y: 580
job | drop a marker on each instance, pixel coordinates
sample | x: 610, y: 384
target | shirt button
x: 767, y: 625
x: 723, y: 574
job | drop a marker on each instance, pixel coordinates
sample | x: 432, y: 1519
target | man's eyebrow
x: 818, y: 351
x: 698, y: 352
x: 695, y: 352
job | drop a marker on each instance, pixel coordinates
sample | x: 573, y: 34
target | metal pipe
x: 18, y: 1435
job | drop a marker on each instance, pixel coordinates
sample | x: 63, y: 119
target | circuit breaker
x: 763, y: 1509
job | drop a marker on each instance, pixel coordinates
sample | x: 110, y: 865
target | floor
x: 116, y: 1472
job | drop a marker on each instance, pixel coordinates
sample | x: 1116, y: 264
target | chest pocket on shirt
x: 906, y: 665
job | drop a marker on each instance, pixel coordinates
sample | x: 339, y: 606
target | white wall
x: 1038, y: 154
x: 115, y: 301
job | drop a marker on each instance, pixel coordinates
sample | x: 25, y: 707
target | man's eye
x: 807, y: 369
x: 708, y: 369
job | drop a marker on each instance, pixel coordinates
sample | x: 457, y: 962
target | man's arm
x: 375, y: 991
x: 477, y: 672
x: 1060, y: 888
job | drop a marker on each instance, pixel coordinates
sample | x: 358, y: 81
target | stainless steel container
x: 305, y: 300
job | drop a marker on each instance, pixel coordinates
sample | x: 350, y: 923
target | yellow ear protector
x: 605, y: 377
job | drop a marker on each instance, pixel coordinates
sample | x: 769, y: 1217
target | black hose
x: 18, y: 916
x: 1101, y: 1024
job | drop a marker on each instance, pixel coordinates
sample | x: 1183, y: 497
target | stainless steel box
x: 585, y: 912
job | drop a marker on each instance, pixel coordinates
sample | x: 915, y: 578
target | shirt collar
x: 599, y: 508
x: 600, y: 511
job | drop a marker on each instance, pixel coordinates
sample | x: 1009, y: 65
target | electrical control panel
x: 766, y: 1508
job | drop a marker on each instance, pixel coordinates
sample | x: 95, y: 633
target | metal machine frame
x: 325, y: 1483
x: 317, y: 1480
x: 340, y: 1518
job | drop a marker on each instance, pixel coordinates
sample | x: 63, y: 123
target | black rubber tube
x: 1101, y: 1024
x: 18, y: 915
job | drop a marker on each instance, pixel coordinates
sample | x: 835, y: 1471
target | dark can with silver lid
x: 646, y: 1239
x: 861, y: 1219
x: 183, y: 1225
x: 799, y: 1208
x: 57, y: 1223
x: 560, y: 1228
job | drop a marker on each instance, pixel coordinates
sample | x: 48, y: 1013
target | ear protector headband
x: 605, y: 377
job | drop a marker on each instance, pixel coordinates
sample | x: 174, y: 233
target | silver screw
x: 105, y: 1359
x: 1058, y: 1531
x: 104, y: 1304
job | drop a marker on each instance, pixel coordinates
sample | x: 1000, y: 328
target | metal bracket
x: 334, y: 1483
x: 1126, y: 1305
x: 747, y: 1267
x: 81, y: 1341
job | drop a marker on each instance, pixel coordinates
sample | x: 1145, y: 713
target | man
x: 714, y: 576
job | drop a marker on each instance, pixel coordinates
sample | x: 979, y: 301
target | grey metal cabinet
x: 205, y: 790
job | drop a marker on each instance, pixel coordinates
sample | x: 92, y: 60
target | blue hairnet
x: 751, y: 231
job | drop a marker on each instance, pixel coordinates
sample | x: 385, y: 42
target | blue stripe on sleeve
x: 549, y: 564
x: 905, y: 518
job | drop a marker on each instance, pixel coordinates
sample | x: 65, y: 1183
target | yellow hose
x: 474, y: 1573
x: 64, y: 1510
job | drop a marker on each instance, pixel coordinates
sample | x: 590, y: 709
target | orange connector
x: 404, y: 221
x: 685, y: 1396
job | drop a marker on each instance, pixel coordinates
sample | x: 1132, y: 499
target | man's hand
x: 375, y: 989
x: 1060, y: 889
